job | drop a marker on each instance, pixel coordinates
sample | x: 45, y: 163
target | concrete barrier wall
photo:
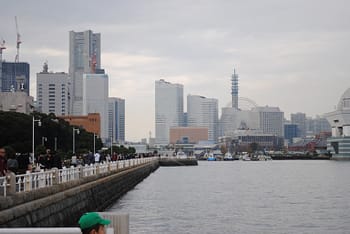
x: 62, y: 205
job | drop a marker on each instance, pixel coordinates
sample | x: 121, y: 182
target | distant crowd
x: 21, y: 163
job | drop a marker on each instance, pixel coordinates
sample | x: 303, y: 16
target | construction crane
x: 2, y: 47
x: 18, y: 41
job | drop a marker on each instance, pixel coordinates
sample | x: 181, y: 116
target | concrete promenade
x: 58, y: 198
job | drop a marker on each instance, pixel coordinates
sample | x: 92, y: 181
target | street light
x: 95, y: 143
x: 39, y: 124
x: 74, y: 130
x: 55, y: 143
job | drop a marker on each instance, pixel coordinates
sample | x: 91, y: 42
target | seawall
x: 62, y: 205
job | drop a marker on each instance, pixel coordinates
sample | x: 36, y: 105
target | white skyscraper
x: 271, y: 120
x: 95, y: 99
x: 203, y: 112
x: 52, y: 92
x: 168, y: 109
x: 116, y: 119
x: 84, y: 58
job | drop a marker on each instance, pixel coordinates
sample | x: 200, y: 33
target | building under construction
x: 15, y: 77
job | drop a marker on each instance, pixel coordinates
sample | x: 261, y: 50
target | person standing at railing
x: 3, y: 162
x: 97, y: 157
x: 12, y: 162
x: 48, y: 161
x: 56, y: 161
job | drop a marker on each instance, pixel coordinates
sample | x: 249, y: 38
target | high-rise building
x: 52, y: 92
x: 290, y: 131
x: 15, y: 77
x: 300, y: 120
x: 271, y: 120
x: 116, y: 119
x: 233, y: 119
x: 168, y: 109
x: 234, y: 89
x: 317, y: 125
x: 203, y: 112
x: 95, y: 99
x: 84, y: 58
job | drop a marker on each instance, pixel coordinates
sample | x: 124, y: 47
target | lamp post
x: 94, y: 143
x: 55, y: 143
x: 74, y: 130
x: 39, y: 124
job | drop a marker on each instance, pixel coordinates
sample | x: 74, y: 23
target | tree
x: 253, y: 147
x: 223, y: 149
x: 17, y: 129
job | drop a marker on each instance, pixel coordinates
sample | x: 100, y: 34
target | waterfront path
x: 11, y: 184
x: 57, y: 198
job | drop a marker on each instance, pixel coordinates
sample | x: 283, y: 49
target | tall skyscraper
x: 84, y: 58
x: 271, y: 120
x: 234, y: 89
x: 52, y: 92
x: 95, y: 99
x: 116, y: 119
x: 15, y: 77
x: 168, y: 109
x: 203, y: 112
x: 300, y: 120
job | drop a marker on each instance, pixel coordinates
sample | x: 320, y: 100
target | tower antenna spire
x: 234, y: 89
x: 18, y: 41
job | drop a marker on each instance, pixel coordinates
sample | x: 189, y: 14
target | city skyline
x: 290, y: 54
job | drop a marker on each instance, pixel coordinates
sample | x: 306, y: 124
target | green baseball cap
x: 89, y: 220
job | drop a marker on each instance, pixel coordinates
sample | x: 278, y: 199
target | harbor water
x: 294, y: 196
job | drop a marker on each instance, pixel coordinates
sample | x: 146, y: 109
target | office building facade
x: 52, y: 93
x: 203, y: 112
x: 84, y: 58
x: 95, y: 99
x: 168, y: 109
x: 16, y: 102
x: 300, y: 120
x: 271, y: 120
x: 116, y: 119
x: 290, y: 132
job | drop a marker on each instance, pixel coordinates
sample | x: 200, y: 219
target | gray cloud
x: 293, y: 54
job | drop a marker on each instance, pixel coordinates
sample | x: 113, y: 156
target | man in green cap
x: 93, y: 223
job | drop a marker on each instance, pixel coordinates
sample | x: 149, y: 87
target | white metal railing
x: 42, y: 179
x: 31, y: 181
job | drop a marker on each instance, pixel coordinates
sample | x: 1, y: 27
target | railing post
x: 27, y: 181
x: 109, y: 167
x: 81, y: 171
x: 11, y: 182
x: 55, y: 178
x: 97, y: 168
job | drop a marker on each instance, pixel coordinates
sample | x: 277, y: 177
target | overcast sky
x: 294, y: 54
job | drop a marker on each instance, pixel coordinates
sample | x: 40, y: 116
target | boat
x: 264, y: 158
x: 245, y: 157
x: 211, y: 157
x: 181, y: 155
x: 228, y: 157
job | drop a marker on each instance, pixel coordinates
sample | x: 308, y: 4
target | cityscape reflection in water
x: 242, y: 197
